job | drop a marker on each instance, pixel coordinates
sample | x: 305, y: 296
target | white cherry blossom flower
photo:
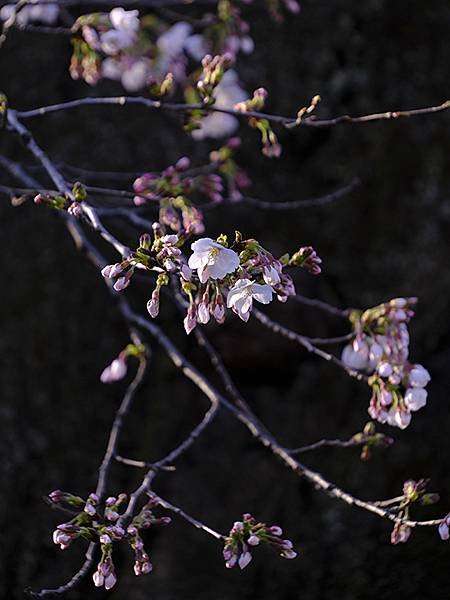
x: 418, y: 377
x: 115, y: 40
x: 170, y: 45
x: 241, y: 295
x: 46, y: 14
x: 133, y: 73
x: 124, y: 19
x: 212, y: 260
x: 271, y: 275
x: 415, y: 398
x: 356, y: 359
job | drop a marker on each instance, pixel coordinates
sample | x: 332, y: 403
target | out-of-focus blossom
x: 33, y: 12
x: 227, y: 94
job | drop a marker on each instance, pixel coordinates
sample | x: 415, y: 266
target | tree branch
x: 183, y: 107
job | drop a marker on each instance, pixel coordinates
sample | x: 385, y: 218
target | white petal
x: 415, y: 398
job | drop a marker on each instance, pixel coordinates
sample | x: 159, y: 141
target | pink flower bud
x: 190, y: 321
x: 384, y: 369
x: 253, y: 540
x: 121, y: 284
x: 244, y: 559
x: 182, y: 164
x: 115, y: 371
x: 111, y: 271
x: 275, y: 530
x: 105, y: 539
x: 444, y: 529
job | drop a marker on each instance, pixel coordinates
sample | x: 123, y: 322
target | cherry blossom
x: 212, y: 260
x: 241, y: 295
x: 31, y: 13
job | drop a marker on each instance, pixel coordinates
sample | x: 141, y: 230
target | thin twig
x: 320, y: 304
x: 322, y: 443
x: 117, y: 426
x: 306, y: 343
x: 195, y: 522
x: 306, y: 203
x: 184, y: 107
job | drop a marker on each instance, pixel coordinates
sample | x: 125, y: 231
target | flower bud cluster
x: 381, y: 349
x: 214, y: 272
x: 247, y: 534
x: 175, y: 188
x: 369, y: 438
x: 103, y: 523
x: 227, y: 168
x: 414, y: 492
x: 270, y: 145
x: 242, y: 273
x: 213, y: 70
x: 101, y: 35
x: 70, y: 202
x: 172, y: 189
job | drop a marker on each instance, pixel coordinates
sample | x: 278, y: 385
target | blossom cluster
x: 104, y: 523
x: 137, y: 52
x: 148, y: 51
x: 414, y: 492
x: 247, y: 534
x: 381, y: 349
x: 32, y: 12
x: 69, y: 202
x: 175, y: 188
x: 217, y: 275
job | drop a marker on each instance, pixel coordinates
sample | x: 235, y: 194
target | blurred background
x: 388, y: 238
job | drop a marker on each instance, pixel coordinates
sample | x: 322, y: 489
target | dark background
x: 389, y: 238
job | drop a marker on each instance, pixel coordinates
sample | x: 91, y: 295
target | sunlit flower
x: 241, y: 295
x: 212, y: 260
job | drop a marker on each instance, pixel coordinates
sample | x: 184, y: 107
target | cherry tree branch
x: 321, y: 305
x: 307, y: 343
x: 323, y: 443
x: 290, y: 122
x: 307, y: 202
x: 195, y: 522
x: 117, y: 426
x: 194, y: 375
